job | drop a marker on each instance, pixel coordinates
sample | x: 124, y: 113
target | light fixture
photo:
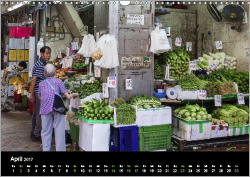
x: 15, y: 6
x: 125, y: 3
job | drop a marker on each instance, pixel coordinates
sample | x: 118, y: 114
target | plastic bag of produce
x: 207, y: 57
x: 216, y: 57
x: 221, y: 54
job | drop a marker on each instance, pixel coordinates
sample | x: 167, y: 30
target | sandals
x: 5, y: 110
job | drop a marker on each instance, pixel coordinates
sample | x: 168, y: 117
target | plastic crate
x: 30, y: 105
x: 124, y: 139
x: 25, y: 101
x: 74, y: 132
x: 151, y: 138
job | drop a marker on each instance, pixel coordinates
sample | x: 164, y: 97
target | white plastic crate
x: 94, y: 137
x: 153, y: 116
x: 192, y: 130
x: 219, y: 131
x: 115, y: 124
x: 235, y: 131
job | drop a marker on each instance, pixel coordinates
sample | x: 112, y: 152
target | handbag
x: 58, y: 104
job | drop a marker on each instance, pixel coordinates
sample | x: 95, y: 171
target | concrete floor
x: 16, y: 127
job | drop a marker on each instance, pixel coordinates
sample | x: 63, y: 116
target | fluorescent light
x: 15, y: 7
x: 125, y: 3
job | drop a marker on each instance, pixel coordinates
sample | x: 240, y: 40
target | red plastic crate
x: 30, y: 105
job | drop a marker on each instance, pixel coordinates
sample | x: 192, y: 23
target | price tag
x: 241, y: 99
x: 189, y: 46
x: 217, y: 100
x: 74, y: 45
x: 128, y: 84
x: 202, y: 94
x: 197, y: 62
x: 225, y: 61
x: 59, y: 53
x: 218, y: 44
x: 213, y: 66
x: 111, y: 82
x: 192, y: 65
x: 178, y: 42
x: 105, y: 90
x: 86, y: 61
x: 97, y: 71
x: 5, y: 58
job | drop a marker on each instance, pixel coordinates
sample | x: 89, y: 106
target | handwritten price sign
x: 213, y: 66
x: 218, y: 44
x: 105, y: 90
x: 192, y: 65
x: 178, y: 42
x: 217, y: 100
x: 111, y: 82
x: 97, y: 71
x: 202, y: 94
x: 225, y: 61
x: 241, y: 99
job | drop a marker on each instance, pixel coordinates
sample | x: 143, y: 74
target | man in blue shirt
x: 38, y: 76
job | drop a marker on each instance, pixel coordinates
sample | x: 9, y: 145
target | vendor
x: 10, y: 72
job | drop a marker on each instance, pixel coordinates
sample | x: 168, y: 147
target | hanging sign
x: 86, y: 61
x: 74, y: 45
x: 26, y: 43
x: 97, y: 71
x: 178, y: 42
x: 189, y: 46
x: 128, y: 84
x: 111, y: 82
x: 135, y: 19
x: 59, y: 53
x: 7, y: 48
x: 225, y: 61
x: 192, y: 65
x: 133, y: 62
x: 20, y: 43
x: 105, y: 90
x: 213, y: 66
x: 12, y: 43
x: 241, y: 99
x: 5, y: 58
x: 217, y: 100
x: 202, y: 94
x: 218, y: 44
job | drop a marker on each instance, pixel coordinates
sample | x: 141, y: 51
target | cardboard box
x: 219, y: 131
x: 154, y: 116
x: 94, y: 137
x: 192, y: 130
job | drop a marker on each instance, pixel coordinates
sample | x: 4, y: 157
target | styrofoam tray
x: 154, y: 116
x: 235, y: 131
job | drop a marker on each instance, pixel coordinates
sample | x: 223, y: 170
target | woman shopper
x: 10, y: 72
x: 48, y: 115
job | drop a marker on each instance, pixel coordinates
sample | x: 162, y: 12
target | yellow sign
x: 20, y: 55
x: 26, y: 55
x: 12, y: 55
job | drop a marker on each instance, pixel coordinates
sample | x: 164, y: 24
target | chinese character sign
x: 97, y: 71
x: 202, y: 94
x: 111, y: 82
x: 105, y: 90
x: 213, y: 66
x: 192, y: 65
x: 135, y: 19
x: 128, y: 84
x: 178, y: 42
x: 218, y: 44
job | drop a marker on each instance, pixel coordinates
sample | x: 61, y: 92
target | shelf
x: 157, y: 13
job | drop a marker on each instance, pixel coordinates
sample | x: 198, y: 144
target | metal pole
x: 37, y: 33
x: 44, y: 27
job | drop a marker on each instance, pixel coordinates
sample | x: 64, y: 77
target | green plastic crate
x: 94, y: 121
x: 74, y: 132
x: 155, y: 139
x: 25, y: 101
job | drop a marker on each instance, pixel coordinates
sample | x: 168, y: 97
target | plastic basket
x: 124, y: 139
x: 153, y: 138
x: 30, y: 105
x: 159, y: 95
x: 74, y: 132
x: 25, y: 101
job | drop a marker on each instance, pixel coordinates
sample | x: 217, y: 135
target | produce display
x: 117, y: 102
x: 232, y: 115
x: 190, y: 83
x: 192, y: 113
x: 62, y: 70
x: 125, y: 114
x: 225, y: 88
x: 242, y: 80
x: 61, y: 75
x: 158, y: 71
x: 72, y: 85
x: 88, y: 89
x: 90, y: 81
x: 244, y: 107
x: 95, y: 110
x: 71, y: 118
x: 178, y: 61
x: 145, y: 102
x: 79, y: 65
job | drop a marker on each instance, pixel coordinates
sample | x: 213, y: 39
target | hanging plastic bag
x: 159, y: 41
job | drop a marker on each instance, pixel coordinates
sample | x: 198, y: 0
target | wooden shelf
x: 157, y: 13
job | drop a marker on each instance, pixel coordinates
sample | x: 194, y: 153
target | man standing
x: 38, y: 76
